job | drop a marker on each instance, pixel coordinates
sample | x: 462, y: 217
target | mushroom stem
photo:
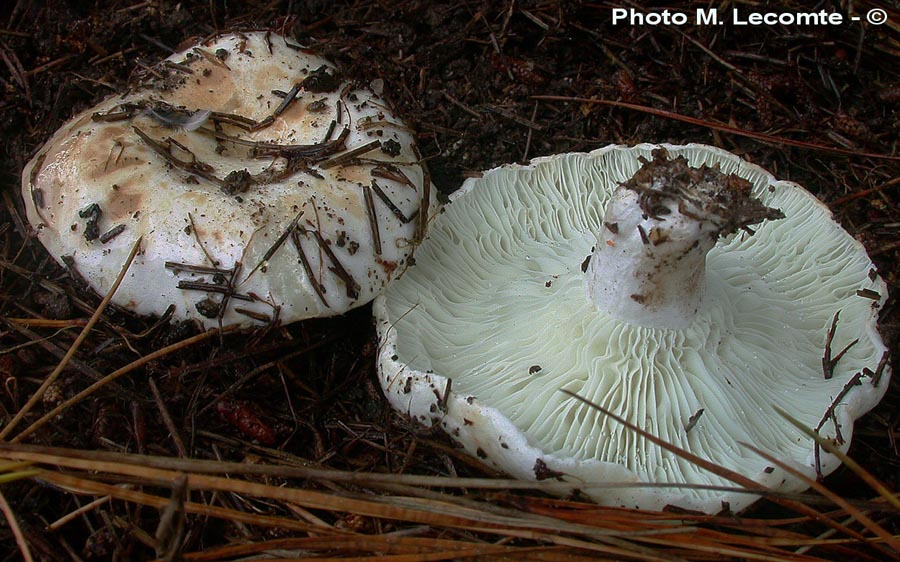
x: 648, y: 267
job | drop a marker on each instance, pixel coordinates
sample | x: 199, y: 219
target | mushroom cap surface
x: 481, y: 334
x: 256, y: 175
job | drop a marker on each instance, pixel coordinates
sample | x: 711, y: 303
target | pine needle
x: 16, y: 530
x: 51, y: 378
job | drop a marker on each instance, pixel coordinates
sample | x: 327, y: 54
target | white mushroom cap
x: 480, y: 336
x: 243, y: 150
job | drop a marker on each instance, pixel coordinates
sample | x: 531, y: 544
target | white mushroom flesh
x: 657, y: 229
x: 496, y: 305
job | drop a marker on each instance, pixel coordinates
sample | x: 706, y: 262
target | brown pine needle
x: 383, y: 547
x: 53, y: 455
x: 620, y: 533
x: 867, y: 522
x: 51, y: 378
x: 429, y: 513
x: 731, y: 475
x: 864, y: 193
x: 474, y: 553
x: 47, y: 323
x: 864, y: 474
x: 115, y: 375
x: 718, y: 470
x: 84, y: 486
x: 16, y: 530
x: 72, y: 515
x: 718, y: 126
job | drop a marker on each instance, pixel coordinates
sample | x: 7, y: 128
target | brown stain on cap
x: 121, y: 205
x: 210, y: 87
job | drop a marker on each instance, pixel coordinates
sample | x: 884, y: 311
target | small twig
x: 331, y: 128
x: 644, y: 238
x: 47, y: 345
x: 72, y: 515
x: 95, y: 62
x: 855, y: 380
x: 167, y: 418
x: 842, y: 353
x: 193, y: 166
x: 202, y: 269
x: 16, y: 70
x: 268, y: 149
x: 258, y: 316
x: 864, y: 192
x: 462, y: 106
x: 112, y: 233
x: 287, y: 101
x: 829, y: 413
x: 315, y: 207
x: 868, y: 294
x: 238, y: 121
x: 295, y: 238
x: 152, y: 40
x: 121, y: 113
x: 373, y: 219
x: 390, y: 204
x: 51, y: 378
x: 212, y: 288
x: 393, y: 173
x: 199, y: 241
x: 277, y: 244
x: 115, y: 375
x: 16, y: 530
x: 134, y: 7
x: 47, y: 323
x: 828, y: 363
x: 47, y: 66
x: 170, y: 531
x: 126, y: 335
x: 227, y: 298
x: 883, y: 491
x: 879, y: 370
x: 212, y: 58
x: 249, y: 375
x: 345, y: 157
x: 338, y: 268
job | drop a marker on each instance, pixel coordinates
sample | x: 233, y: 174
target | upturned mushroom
x: 671, y: 292
x: 265, y: 186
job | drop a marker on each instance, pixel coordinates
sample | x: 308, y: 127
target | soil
x: 483, y: 84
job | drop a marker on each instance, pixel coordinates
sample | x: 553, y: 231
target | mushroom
x: 651, y: 297
x: 265, y: 186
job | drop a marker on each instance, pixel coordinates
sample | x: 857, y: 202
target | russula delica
x: 651, y: 297
x: 264, y: 185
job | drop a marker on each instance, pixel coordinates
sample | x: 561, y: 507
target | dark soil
x: 817, y: 105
